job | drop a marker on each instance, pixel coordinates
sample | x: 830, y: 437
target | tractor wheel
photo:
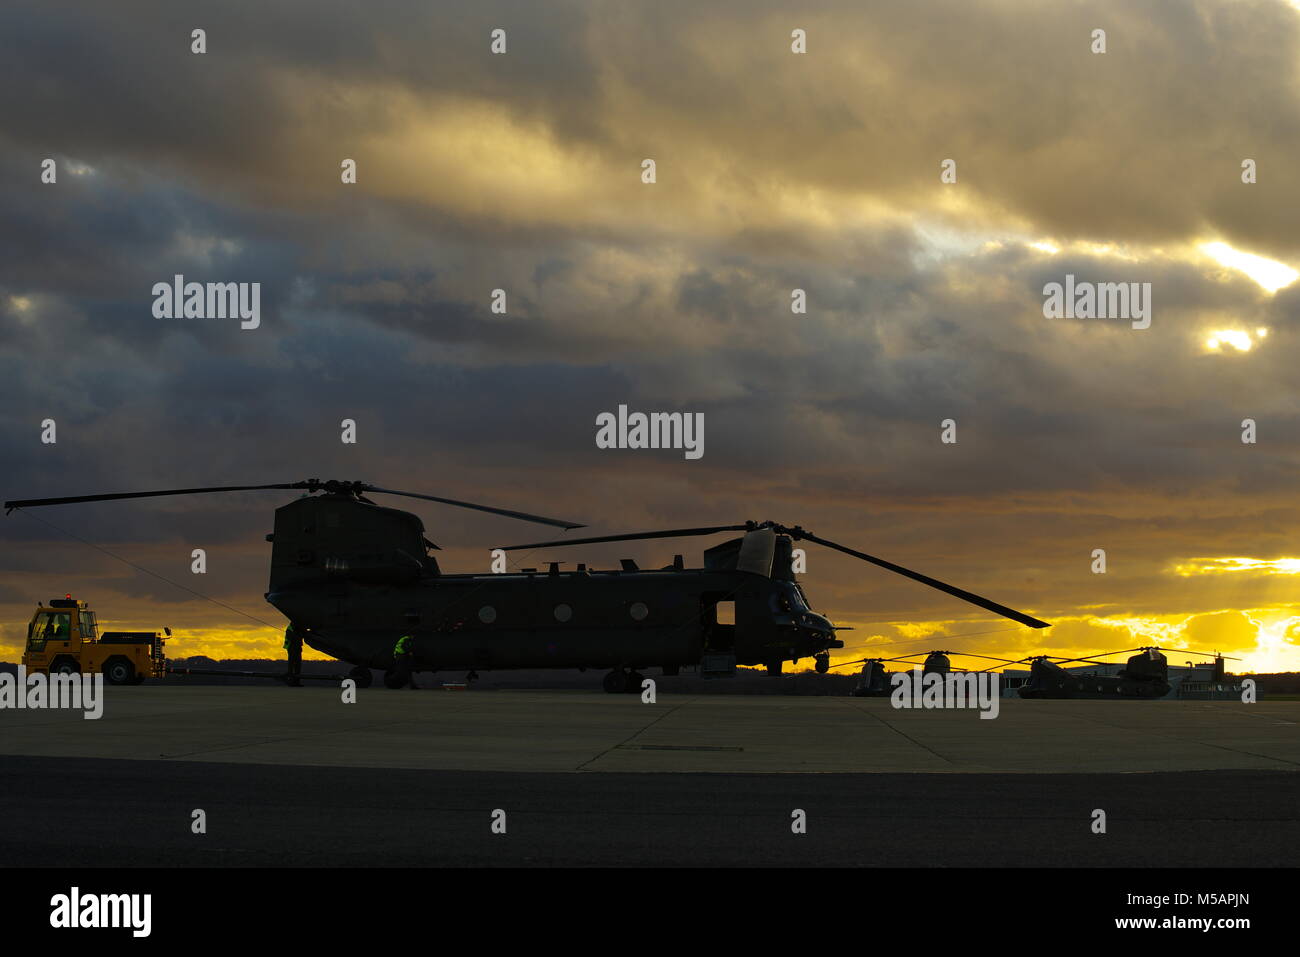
x: 361, y: 676
x: 64, y: 666
x: 119, y: 671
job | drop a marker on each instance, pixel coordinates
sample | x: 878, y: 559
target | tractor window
x: 726, y: 613
x: 36, y: 632
x: 88, y: 629
x: 49, y: 626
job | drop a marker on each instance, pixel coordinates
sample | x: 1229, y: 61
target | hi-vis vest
x: 401, y: 646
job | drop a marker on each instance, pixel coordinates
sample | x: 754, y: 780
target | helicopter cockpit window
x: 788, y: 600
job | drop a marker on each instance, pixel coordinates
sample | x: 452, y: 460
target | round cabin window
x: 563, y: 612
x: 638, y: 610
x: 487, y: 614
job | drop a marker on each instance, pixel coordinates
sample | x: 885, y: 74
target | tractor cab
x: 60, y: 628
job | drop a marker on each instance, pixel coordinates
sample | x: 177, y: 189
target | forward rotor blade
x: 1018, y: 662
x: 637, y: 536
x: 956, y: 592
x: 113, y: 496
x: 845, y: 664
x: 525, y: 516
x: 1104, y: 654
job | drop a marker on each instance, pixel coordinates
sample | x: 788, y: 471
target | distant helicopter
x: 1145, y: 675
x: 874, y: 681
x: 352, y: 577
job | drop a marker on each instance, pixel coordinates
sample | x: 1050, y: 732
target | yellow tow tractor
x: 63, y: 638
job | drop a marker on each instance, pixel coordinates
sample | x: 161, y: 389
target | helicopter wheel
x: 634, y: 679
x: 615, y: 682
x: 361, y: 676
x: 822, y: 663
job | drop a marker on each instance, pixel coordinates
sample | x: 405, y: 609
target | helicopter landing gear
x: 402, y: 676
x: 822, y: 663
x: 361, y: 676
x: 619, y: 681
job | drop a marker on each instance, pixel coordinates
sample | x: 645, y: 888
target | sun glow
x: 1268, y: 273
x: 1221, y: 566
x: 1238, y: 339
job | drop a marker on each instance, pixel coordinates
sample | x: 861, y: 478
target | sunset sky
x: 775, y: 171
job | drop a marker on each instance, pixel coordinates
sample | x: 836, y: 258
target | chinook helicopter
x: 1144, y: 675
x: 352, y: 577
x: 874, y: 681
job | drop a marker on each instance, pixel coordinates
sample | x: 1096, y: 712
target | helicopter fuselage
x: 577, y: 619
x: 354, y: 577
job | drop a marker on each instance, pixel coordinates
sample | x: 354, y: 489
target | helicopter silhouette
x: 1145, y: 675
x: 352, y: 577
x: 874, y: 681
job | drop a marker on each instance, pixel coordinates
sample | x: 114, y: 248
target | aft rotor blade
x: 1018, y: 662
x: 637, y: 536
x: 113, y: 496
x: 1203, y: 654
x: 845, y: 664
x: 971, y: 654
x: 956, y: 592
x: 1104, y: 654
x: 525, y: 516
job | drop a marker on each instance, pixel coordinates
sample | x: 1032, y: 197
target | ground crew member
x: 293, y: 648
x: 403, y: 663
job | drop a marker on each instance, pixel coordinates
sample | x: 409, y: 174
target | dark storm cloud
x: 776, y: 173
